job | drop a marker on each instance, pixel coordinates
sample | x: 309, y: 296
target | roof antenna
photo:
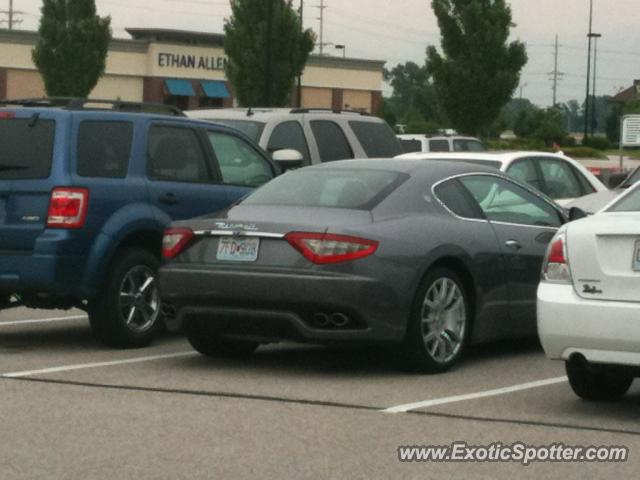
x: 249, y: 112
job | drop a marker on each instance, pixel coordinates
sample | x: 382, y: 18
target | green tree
x: 542, y: 124
x: 267, y: 50
x: 477, y: 72
x: 72, y: 49
x: 412, y: 91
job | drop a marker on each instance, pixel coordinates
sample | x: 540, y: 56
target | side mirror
x: 576, y: 213
x: 288, y: 158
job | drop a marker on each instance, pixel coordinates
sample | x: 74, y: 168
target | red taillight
x: 556, y: 251
x: 68, y: 207
x: 175, y: 241
x: 7, y: 115
x: 555, y: 267
x: 321, y: 248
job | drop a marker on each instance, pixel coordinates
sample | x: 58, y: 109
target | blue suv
x: 86, y: 192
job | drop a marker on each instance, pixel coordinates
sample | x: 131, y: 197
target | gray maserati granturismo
x: 427, y: 256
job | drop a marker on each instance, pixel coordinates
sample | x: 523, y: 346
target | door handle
x: 168, y: 199
x: 514, y: 244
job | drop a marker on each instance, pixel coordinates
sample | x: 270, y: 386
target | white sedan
x: 558, y: 176
x: 589, y: 299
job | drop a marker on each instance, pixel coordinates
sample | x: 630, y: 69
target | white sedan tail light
x: 555, y: 267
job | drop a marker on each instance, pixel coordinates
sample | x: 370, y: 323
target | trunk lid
x: 269, y: 225
x: 604, y: 257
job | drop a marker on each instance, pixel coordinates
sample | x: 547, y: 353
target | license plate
x: 636, y: 256
x: 238, y: 249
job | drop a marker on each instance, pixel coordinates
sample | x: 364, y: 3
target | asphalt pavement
x: 73, y: 409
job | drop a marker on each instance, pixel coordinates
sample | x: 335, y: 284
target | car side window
x: 559, y: 179
x: 331, y: 141
x: 104, y: 148
x: 289, y: 135
x: 504, y: 201
x: 176, y: 155
x: 457, y: 199
x: 240, y: 164
x: 526, y: 172
x: 438, y: 145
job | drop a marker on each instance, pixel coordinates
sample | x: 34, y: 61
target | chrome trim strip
x: 237, y: 233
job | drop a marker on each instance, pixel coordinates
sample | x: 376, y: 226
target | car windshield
x: 335, y: 188
x: 628, y: 203
x: 251, y: 129
x: 27, y: 148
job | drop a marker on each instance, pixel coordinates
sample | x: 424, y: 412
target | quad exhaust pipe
x: 332, y: 320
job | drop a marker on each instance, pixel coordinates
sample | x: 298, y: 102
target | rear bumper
x: 41, y: 273
x: 601, y: 331
x: 279, y: 304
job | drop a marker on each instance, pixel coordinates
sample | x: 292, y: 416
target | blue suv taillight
x: 68, y: 207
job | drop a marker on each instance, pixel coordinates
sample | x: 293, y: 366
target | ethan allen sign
x: 195, y: 62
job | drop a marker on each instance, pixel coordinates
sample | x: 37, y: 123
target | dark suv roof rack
x: 72, y: 103
x: 331, y: 110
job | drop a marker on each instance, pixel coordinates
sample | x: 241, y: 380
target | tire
x: 439, y: 326
x: 597, y: 382
x: 126, y: 311
x: 212, y: 344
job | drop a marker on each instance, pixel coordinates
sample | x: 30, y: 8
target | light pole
x: 300, y: 76
x: 592, y: 122
x: 586, y: 102
x: 343, y: 48
x: 522, y: 87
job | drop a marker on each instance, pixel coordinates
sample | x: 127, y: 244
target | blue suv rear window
x: 104, y: 148
x: 26, y: 148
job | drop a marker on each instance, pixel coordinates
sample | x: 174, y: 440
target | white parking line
x: 42, y: 320
x: 67, y: 368
x: 472, y: 396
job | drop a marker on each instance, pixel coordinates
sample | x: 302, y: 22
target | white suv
x: 317, y: 135
x: 440, y: 143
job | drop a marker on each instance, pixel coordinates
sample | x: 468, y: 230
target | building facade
x: 187, y: 69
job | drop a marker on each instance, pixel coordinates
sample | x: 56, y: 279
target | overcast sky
x: 400, y: 30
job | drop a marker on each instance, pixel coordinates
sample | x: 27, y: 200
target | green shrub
x: 516, y: 144
x: 599, y: 142
x: 583, y: 152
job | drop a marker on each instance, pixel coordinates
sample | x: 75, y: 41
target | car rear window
x: 104, y: 148
x: 468, y: 145
x: 358, y: 189
x: 26, y: 148
x: 628, y: 203
x: 410, y: 146
x: 377, y: 139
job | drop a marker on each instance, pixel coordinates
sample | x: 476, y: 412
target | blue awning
x: 180, y: 88
x: 215, y: 89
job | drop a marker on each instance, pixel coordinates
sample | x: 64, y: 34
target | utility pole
x: 300, y: 76
x: 556, y: 75
x: 11, y: 16
x: 322, y: 7
x: 595, y: 37
x: 586, y: 102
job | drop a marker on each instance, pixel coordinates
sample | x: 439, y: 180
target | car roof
x: 267, y: 114
x: 502, y: 157
x: 410, y: 136
x: 435, y: 169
